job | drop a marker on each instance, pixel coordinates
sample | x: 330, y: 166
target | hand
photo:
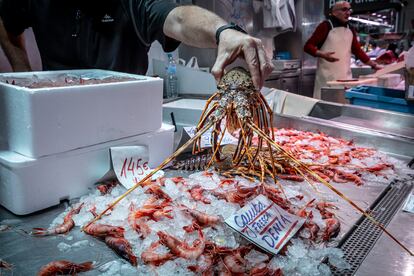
x: 328, y: 56
x: 374, y: 65
x: 234, y: 44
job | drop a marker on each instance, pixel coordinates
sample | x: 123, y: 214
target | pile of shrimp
x: 333, y: 159
x: 175, y: 225
x: 179, y: 223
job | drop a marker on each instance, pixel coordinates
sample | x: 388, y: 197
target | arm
x: 316, y: 41
x: 14, y: 49
x: 197, y: 27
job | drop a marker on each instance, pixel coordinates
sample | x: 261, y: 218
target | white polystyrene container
x: 28, y: 184
x: 45, y: 121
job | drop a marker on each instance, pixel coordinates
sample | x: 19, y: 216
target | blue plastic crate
x: 379, y: 97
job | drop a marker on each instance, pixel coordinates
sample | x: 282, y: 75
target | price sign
x: 130, y: 164
x: 206, y: 137
x: 265, y: 224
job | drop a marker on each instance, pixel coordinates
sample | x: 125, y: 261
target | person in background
x: 333, y: 42
x: 375, y: 51
x: 117, y: 34
x: 389, y: 56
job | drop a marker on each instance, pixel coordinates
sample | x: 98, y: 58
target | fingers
x: 234, y: 44
x: 266, y: 66
x: 224, y: 58
x: 260, y: 65
x: 253, y: 62
x: 218, y: 67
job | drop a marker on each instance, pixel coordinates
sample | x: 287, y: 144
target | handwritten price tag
x: 265, y: 224
x: 206, y: 137
x: 130, y: 164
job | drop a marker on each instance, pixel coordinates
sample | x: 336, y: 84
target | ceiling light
x: 369, y: 22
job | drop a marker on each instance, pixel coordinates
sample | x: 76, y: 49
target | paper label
x: 409, y: 204
x: 206, y: 137
x: 265, y: 224
x: 130, y: 164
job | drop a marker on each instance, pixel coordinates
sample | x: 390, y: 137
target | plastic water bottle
x: 172, y: 81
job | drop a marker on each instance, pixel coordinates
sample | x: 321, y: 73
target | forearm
x: 193, y: 26
x: 15, y: 51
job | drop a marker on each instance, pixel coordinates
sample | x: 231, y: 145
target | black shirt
x: 84, y: 34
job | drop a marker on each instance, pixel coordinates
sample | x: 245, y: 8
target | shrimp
x: 311, y: 232
x: 291, y: 177
x: 235, y: 262
x: 64, y: 267
x: 156, y: 190
x: 349, y: 176
x: 161, y: 213
x: 5, y: 265
x: 182, y: 249
x: 106, y: 187
x: 202, y: 219
x: 150, y: 257
x: 240, y: 195
x: 322, y: 207
x: 332, y: 229
x: 65, y: 227
x: 204, y: 264
x: 103, y: 230
x: 260, y: 270
x: 197, y: 194
x: 379, y: 167
x: 122, y: 247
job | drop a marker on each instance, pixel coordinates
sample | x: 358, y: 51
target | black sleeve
x: 15, y: 15
x: 149, y: 17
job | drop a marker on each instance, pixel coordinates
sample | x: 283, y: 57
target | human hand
x: 234, y: 44
x: 375, y: 65
x: 328, y: 56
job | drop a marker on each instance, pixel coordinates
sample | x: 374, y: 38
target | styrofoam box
x: 44, y: 121
x: 28, y: 184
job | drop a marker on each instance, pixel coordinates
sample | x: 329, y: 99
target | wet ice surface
x: 61, y: 80
x: 302, y: 256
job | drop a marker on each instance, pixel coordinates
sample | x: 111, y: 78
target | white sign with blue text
x: 265, y: 224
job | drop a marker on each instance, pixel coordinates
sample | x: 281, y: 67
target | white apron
x: 339, y: 40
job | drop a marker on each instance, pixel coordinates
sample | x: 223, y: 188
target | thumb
x: 218, y: 68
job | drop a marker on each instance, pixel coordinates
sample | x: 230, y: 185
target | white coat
x: 339, y: 40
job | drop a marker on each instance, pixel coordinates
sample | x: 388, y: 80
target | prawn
x: 332, y: 229
x: 5, y: 265
x: 182, y: 249
x: 64, y: 267
x: 65, y: 227
x: 149, y: 256
x: 103, y: 230
x: 197, y: 194
x: 122, y: 247
x: 203, y: 219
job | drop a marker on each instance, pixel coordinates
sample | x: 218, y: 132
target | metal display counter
x: 28, y: 253
x: 387, y: 122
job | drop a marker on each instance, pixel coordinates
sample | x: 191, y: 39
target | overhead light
x: 369, y: 22
x: 374, y: 13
